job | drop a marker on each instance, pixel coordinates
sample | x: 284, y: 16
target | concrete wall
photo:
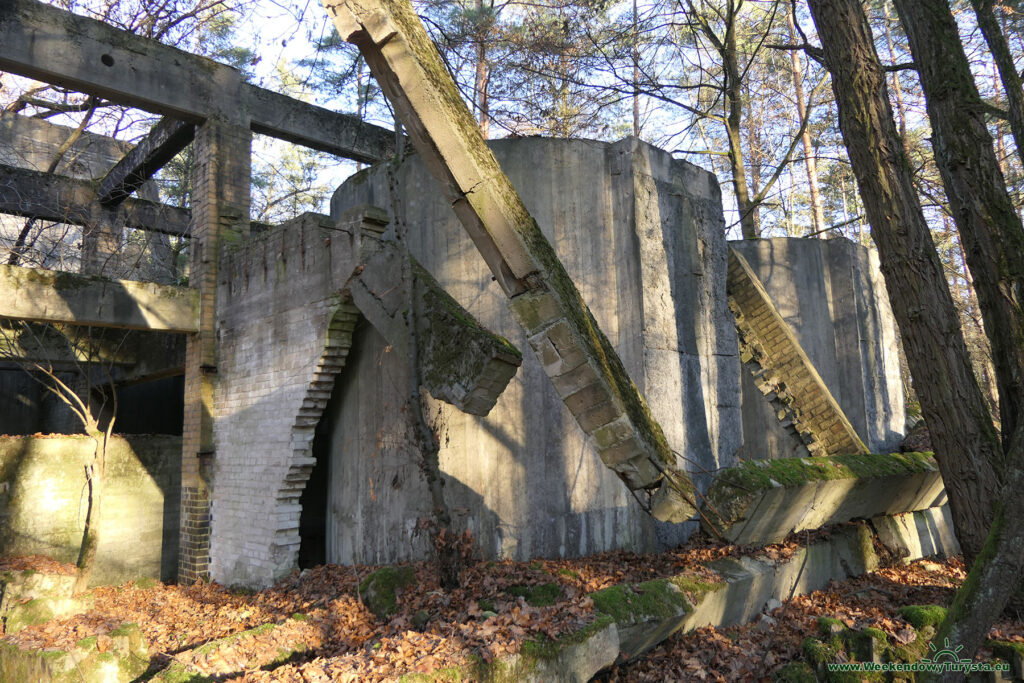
x: 831, y: 294
x: 43, y: 502
x: 643, y: 238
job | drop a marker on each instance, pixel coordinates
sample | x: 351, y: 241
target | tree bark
x: 989, y: 227
x: 953, y: 406
x: 733, y: 128
x: 1008, y: 74
x: 95, y: 476
x: 482, y: 77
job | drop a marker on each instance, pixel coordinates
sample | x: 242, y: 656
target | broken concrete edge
x: 179, y: 671
x: 633, y: 618
x: 126, y: 659
x: 461, y: 361
x: 733, y: 489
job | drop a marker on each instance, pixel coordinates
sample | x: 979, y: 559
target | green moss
x: 214, y: 645
x: 87, y: 643
x: 1005, y: 648
x: 379, y: 590
x: 830, y: 626
x: 795, y: 672
x: 818, y: 652
x: 145, y: 583
x: 731, y: 488
x: 657, y: 599
x: 920, y: 616
x: 569, y: 573
x: 178, y: 673
x: 486, y: 605
x: 300, y: 617
x: 126, y: 629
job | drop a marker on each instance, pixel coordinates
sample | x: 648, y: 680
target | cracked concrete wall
x: 643, y: 238
x: 831, y: 294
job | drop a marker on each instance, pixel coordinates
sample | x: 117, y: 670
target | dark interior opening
x: 313, y: 519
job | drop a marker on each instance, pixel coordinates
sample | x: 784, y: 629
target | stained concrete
x: 642, y: 237
x: 42, y: 505
x: 831, y: 294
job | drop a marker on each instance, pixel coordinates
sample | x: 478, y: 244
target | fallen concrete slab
x: 763, y: 501
x: 632, y: 619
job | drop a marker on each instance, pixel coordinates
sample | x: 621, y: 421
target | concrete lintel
x: 167, y: 138
x: 49, y: 44
x: 56, y: 297
x: 57, y: 198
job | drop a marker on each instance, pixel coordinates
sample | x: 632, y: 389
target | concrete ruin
x: 577, y: 339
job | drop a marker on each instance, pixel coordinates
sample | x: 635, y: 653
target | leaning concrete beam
x: 57, y: 297
x: 165, y: 140
x: 582, y: 364
x: 763, y: 501
x: 51, y: 197
x: 51, y: 45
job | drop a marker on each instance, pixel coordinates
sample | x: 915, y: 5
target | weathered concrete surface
x: 751, y: 582
x: 921, y: 533
x: 763, y: 501
x: 123, y: 660
x: 34, y: 194
x: 54, y: 297
x: 831, y: 295
x: 46, y: 43
x: 642, y: 236
x: 581, y: 362
x: 32, y: 144
x: 42, y: 510
x: 289, y: 303
x: 164, y: 141
x: 782, y: 368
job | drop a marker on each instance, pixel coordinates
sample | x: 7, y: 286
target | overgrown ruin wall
x: 43, y: 502
x: 643, y: 238
x: 831, y: 294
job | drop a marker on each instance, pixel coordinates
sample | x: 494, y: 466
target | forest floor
x: 490, y: 616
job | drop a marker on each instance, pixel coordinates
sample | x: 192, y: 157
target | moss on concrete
x: 921, y: 616
x: 733, y: 488
x: 379, y: 590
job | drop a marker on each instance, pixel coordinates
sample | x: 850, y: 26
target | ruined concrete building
x: 641, y: 354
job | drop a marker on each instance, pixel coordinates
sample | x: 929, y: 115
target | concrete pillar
x: 220, y: 217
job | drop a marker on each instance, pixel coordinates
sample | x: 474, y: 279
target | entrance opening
x: 314, y: 500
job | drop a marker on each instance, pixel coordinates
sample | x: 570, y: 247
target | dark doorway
x: 313, y: 519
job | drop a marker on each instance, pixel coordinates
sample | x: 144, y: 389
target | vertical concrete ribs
x: 782, y: 370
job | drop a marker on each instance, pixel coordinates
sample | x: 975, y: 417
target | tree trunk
x: 989, y: 227
x: 733, y: 127
x: 482, y: 76
x: 1003, y: 59
x: 965, y: 441
x: 95, y: 475
x: 810, y: 164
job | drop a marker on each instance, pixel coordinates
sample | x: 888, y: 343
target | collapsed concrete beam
x: 56, y: 297
x: 164, y: 141
x: 46, y: 43
x: 763, y: 501
x: 460, y: 361
x: 576, y: 355
x: 51, y: 197
x: 782, y: 370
